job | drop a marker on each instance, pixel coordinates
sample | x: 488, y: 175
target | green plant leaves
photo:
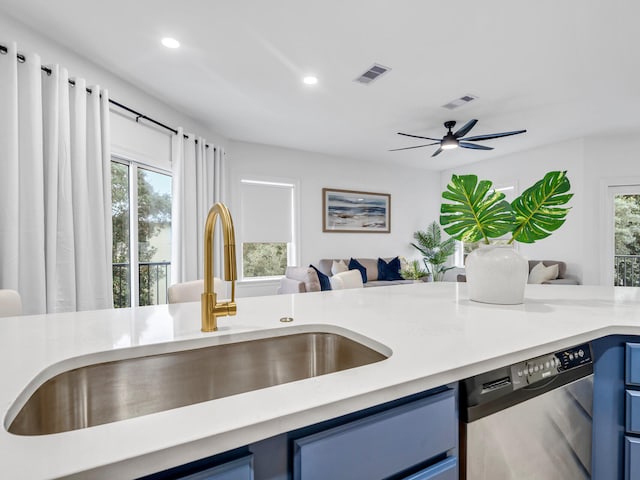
x: 538, y: 212
x: 434, y: 250
x: 478, y: 213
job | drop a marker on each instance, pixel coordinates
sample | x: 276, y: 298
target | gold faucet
x: 211, y: 309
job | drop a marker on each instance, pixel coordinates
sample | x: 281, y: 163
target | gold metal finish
x: 113, y: 391
x: 211, y: 309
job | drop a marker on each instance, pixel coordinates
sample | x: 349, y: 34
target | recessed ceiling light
x: 310, y: 80
x: 170, y: 42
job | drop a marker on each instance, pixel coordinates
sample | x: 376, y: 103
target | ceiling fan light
x: 449, y: 144
x: 170, y: 42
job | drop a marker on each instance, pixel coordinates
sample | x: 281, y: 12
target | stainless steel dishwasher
x: 529, y: 421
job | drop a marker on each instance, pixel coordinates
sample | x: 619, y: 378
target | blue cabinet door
x: 444, y: 470
x: 632, y: 366
x: 632, y: 402
x: 380, y: 445
x: 240, y: 469
x: 632, y: 458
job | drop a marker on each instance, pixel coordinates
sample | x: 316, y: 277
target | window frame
x: 134, y: 165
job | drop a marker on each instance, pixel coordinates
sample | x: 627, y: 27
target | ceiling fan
x: 454, y: 140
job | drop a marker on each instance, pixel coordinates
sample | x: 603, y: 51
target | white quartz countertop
x: 433, y: 333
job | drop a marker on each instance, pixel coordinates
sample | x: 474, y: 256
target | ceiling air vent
x: 458, y: 102
x: 373, y: 73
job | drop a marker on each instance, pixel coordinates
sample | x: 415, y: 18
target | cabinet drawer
x: 632, y: 406
x: 632, y: 364
x: 631, y: 458
x: 379, y: 445
x: 444, y: 470
x: 240, y: 469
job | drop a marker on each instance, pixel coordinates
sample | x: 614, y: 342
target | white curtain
x: 55, y: 188
x: 198, y: 183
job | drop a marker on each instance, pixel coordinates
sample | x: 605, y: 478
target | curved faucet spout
x: 211, y: 308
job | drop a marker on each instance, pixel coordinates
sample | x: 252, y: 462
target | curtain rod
x: 47, y: 70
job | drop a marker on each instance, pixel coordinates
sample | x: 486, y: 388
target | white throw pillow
x: 541, y: 274
x: 348, y: 279
x: 339, y: 267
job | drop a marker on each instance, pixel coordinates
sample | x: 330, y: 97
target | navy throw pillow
x: 389, y: 271
x: 325, y: 284
x: 356, y: 265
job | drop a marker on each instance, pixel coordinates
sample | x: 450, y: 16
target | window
x: 464, y: 249
x: 141, y: 209
x: 625, y: 200
x: 267, y: 228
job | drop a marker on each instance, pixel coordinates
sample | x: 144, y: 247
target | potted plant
x: 413, y: 271
x: 435, y: 252
x: 498, y: 274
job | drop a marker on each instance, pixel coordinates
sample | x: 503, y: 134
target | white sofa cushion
x: 541, y: 274
x: 307, y: 275
x: 348, y: 279
x: 338, y: 266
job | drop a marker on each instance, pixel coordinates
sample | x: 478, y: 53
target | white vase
x: 496, y: 274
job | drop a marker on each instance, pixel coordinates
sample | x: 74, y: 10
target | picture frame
x: 351, y: 211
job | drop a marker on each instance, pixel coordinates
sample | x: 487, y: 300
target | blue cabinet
x: 383, y: 444
x: 233, y: 465
x: 411, y: 438
x: 632, y: 458
x: 632, y: 411
x: 632, y: 364
x: 444, y: 470
x: 616, y: 369
x: 240, y: 469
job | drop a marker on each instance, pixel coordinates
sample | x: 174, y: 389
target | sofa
x: 305, y: 279
x: 299, y: 280
x: 371, y: 266
x: 563, y: 277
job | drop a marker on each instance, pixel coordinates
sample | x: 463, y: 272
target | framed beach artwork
x: 356, y: 212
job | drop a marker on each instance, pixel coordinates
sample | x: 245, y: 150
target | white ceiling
x: 560, y: 69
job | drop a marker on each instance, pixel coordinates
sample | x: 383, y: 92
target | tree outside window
x: 627, y: 240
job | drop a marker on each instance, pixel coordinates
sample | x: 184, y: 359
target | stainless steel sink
x: 112, y: 391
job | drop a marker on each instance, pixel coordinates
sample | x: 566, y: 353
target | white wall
x: 413, y: 198
x: 142, y: 143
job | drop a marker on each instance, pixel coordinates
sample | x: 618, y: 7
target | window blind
x: 267, y: 210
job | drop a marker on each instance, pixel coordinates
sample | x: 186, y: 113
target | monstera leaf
x: 538, y: 212
x: 478, y: 213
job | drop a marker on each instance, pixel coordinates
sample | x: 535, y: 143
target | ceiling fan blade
x: 417, y: 146
x: 492, y: 135
x: 466, y: 128
x: 437, y: 152
x: 418, y: 136
x: 474, y: 146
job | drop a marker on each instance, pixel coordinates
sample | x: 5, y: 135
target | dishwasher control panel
x: 546, y: 366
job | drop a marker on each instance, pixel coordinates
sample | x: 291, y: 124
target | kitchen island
x: 432, y: 334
